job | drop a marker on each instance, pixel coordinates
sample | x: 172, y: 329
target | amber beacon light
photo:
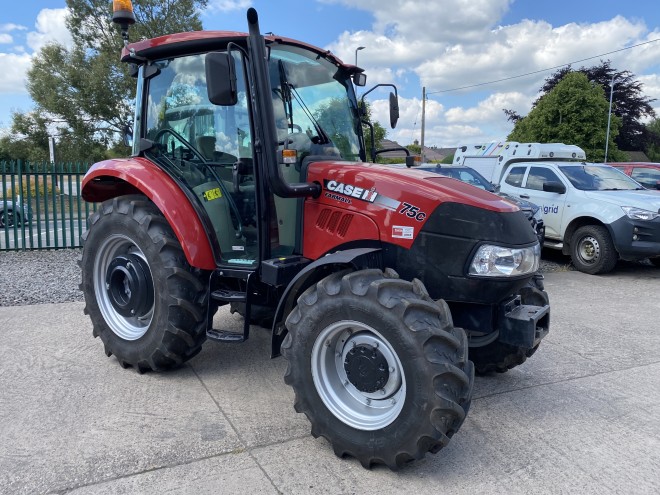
x: 122, y: 13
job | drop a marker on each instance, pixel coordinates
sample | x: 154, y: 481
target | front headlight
x: 499, y: 261
x: 639, y: 214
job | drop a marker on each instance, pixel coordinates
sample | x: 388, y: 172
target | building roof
x: 637, y: 156
x: 430, y: 153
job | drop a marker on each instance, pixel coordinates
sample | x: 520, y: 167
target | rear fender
x: 355, y: 259
x: 111, y: 178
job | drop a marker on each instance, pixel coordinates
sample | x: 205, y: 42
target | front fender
x: 111, y: 178
x: 355, y: 259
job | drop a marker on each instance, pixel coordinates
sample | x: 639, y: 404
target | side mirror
x: 127, y: 136
x: 413, y: 161
x: 394, y: 110
x: 221, y: 79
x: 554, y: 187
x: 360, y: 79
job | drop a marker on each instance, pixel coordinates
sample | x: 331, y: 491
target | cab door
x: 553, y: 205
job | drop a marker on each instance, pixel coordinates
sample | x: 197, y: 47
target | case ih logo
x: 350, y: 190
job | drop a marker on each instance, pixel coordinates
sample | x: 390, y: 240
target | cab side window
x: 538, y: 176
x: 515, y: 176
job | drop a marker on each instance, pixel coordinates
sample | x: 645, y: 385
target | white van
x: 593, y: 212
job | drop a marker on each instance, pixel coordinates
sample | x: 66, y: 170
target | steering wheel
x: 183, y: 140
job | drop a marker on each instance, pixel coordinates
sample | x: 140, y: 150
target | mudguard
x: 111, y: 178
x: 356, y: 259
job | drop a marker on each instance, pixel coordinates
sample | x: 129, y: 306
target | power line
x: 539, y: 71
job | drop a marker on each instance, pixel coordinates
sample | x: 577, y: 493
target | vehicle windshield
x: 464, y: 175
x: 598, y: 178
x: 314, y: 106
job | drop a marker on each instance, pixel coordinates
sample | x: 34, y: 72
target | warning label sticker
x: 403, y: 232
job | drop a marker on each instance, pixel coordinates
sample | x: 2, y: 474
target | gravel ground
x: 38, y: 277
x: 41, y: 277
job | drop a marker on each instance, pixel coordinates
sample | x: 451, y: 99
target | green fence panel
x: 41, y: 206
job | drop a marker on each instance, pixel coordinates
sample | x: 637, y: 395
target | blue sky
x: 442, y: 45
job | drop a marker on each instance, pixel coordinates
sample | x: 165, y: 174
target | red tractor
x: 248, y: 187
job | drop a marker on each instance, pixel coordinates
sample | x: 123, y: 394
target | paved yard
x: 582, y: 416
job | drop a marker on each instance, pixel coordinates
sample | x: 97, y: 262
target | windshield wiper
x: 323, y: 137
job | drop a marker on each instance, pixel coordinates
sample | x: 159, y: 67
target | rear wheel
x: 592, y: 250
x: 499, y: 357
x: 377, y: 367
x: 7, y: 218
x: 146, y: 303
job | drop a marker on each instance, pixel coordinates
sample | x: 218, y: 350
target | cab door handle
x: 524, y: 196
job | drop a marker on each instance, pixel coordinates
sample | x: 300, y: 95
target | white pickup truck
x: 593, y: 212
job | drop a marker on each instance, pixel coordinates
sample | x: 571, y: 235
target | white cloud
x: 440, y: 20
x: 14, y: 69
x: 449, y: 44
x: 8, y: 28
x: 526, y: 47
x: 229, y: 5
x: 651, y: 88
x: 51, y: 28
x: 6, y: 39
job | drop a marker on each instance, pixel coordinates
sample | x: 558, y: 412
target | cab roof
x: 172, y: 45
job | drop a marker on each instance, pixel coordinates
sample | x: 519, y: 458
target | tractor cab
x: 208, y: 148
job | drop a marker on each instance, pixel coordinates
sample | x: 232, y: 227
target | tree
x: 449, y: 159
x: 85, y: 93
x: 414, y: 148
x: 573, y: 112
x: 380, y: 132
x: 653, y: 142
x: 628, y: 101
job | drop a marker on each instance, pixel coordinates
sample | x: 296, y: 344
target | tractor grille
x: 334, y: 222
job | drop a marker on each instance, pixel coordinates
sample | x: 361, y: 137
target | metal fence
x: 40, y: 205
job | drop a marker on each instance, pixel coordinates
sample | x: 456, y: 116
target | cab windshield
x: 598, y: 178
x: 314, y: 105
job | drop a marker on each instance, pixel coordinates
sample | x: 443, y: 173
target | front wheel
x: 592, y: 250
x: 496, y: 356
x: 377, y: 367
x: 146, y: 303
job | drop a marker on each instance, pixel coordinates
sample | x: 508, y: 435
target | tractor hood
x: 399, y: 202
x: 386, y: 187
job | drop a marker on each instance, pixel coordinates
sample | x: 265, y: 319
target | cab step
x: 225, y: 336
x: 229, y: 296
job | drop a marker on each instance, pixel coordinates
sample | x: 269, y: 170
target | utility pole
x: 357, y: 50
x: 609, y: 118
x: 423, y: 121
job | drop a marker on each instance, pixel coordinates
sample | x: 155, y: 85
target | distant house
x: 387, y: 144
x: 430, y: 153
x: 637, y: 156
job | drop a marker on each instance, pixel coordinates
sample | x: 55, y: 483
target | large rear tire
x: 499, y: 357
x: 146, y: 303
x: 377, y: 367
